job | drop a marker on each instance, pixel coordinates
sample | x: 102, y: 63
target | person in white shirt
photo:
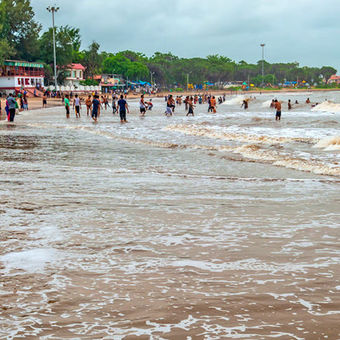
x: 77, y: 105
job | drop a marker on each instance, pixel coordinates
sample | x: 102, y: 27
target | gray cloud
x: 300, y: 30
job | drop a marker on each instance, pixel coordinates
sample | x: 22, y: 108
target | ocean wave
x: 267, y: 103
x: 235, y: 101
x: 327, y: 106
x: 195, y: 130
x: 249, y: 151
x: 329, y: 144
x: 253, y: 152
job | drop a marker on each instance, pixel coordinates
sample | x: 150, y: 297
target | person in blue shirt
x: 123, y: 108
x: 95, y: 107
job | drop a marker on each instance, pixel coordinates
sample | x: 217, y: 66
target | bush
x: 88, y: 82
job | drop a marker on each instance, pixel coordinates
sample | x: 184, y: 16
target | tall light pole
x: 54, y: 10
x: 263, y: 45
x: 188, y: 80
x: 152, y: 73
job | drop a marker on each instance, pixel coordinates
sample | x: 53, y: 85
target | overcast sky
x: 306, y: 31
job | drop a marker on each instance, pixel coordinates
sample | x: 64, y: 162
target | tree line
x: 22, y: 38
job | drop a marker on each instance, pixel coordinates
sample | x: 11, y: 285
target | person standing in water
x: 95, y: 108
x: 123, y: 108
x: 88, y: 104
x: 289, y: 104
x: 278, y: 110
x: 12, y: 104
x: 77, y: 105
x: 142, y: 105
x: 213, y: 104
x: 44, y: 100
x: 191, y: 107
x: 114, y: 106
x: 245, y: 104
x: 67, y: 105
x: 168, y: 111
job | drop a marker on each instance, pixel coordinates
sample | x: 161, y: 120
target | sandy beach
x: 207, y: 227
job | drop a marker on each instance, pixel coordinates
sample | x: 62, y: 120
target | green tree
x: 19, y: 29
x: 327, y: 72
x: 92, y: 60
x: 67, y: 45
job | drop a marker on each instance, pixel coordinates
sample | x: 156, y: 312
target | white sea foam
x: 238, y: 100
x: 195, y: 130
x: 327, y: 106
x: 266, y: 104
x: 329, y: 144
x: 32, y: 261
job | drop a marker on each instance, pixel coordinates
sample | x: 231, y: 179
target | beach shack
x: 110, y: 82
x: 19, y: 75
x: 74, y: 74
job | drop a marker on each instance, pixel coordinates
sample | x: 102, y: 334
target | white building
x: 74, y: 74
x: 19, y: 75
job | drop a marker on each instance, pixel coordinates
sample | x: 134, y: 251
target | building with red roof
x: 334, y: 79
x: 74, y: 74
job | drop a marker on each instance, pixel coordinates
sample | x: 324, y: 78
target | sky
x: 306, y: 31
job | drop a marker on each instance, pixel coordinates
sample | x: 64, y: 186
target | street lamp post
x: 54, y: 10
x: 188, y: 80
x: 263, y: 45
x: 152, y: 73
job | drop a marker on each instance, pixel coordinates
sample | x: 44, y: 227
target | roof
x: 21, y: 63
x: 76, y: 67
x: 334, y: 77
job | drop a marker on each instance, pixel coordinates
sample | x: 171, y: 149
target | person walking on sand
x: 12, y: 104
x: 95, y: 108
x: 123, y: 108
x: 278, y: 110
x: 88, y: 104
x: 77, y: 105
x: 67, y: 105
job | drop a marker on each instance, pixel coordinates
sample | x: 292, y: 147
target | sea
x: 216, y: 226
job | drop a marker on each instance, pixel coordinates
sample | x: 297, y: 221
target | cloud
x: 299, y: 30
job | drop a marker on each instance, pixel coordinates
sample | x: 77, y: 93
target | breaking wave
x: 235, y: 101
x: 195, y: 130
x: 329, y: 144
x: 327, y: 106
x: 253, y: 151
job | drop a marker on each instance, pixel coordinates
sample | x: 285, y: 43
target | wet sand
x: 141, y: 231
